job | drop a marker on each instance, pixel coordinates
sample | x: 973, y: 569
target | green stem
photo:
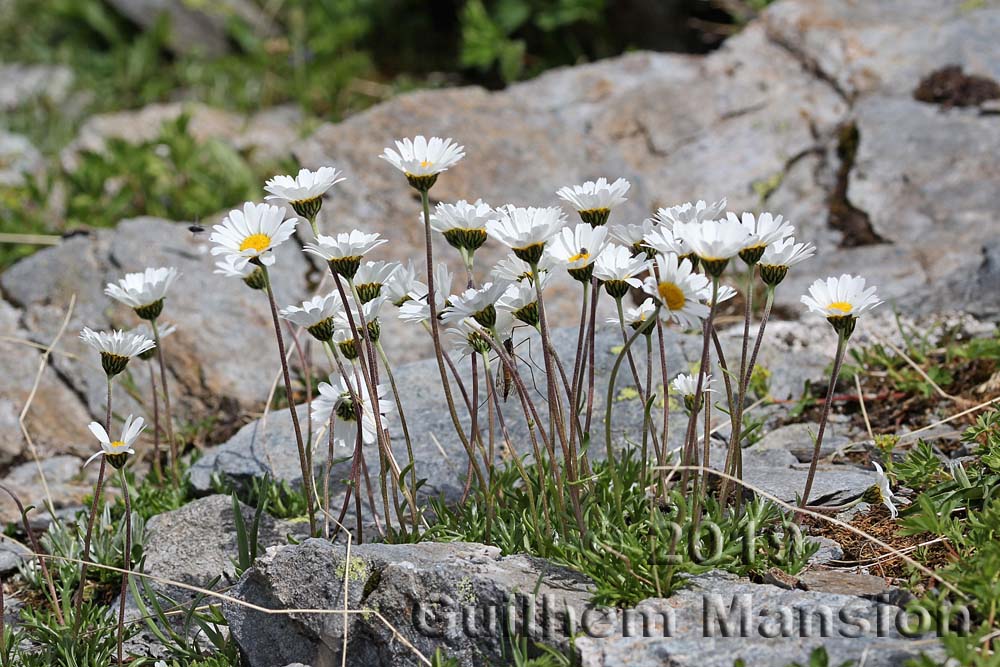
x: 838, y: 361
x: 168, y: 414
x: 307, y: 481
x: 127, y: 563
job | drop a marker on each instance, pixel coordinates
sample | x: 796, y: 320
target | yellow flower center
x: 256, y: 242
x: 583, y: 254
x: 672, y: 295
x: 842, y: 306
x: 117, y: 444
x: 425, y: 164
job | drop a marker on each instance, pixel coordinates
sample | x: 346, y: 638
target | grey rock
x: 685, y: 629
x: 844, y: 582
x: 198, y: 542
x: 828, y: 550
x: 798, y: 439
x: 198, y: 27
x: 23, y: 85
x: 223, y: 358
x: 421, y: 590
x: 12, y: 554
x: 17, y: 157
x: 66, y: 484
x: 56, y: 420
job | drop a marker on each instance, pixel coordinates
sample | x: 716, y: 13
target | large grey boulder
x: 720, y: 618
x: 433, y: 595
x: 198, y: 542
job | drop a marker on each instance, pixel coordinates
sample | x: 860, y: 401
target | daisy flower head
x: 619, y: 269
x: 512, y: 268
x: 526, y: 230
x: 116, y: 452
x: 578, y: 247
x: 344, y: 251
x: 780, y: 256
x: 594, y: 199
x: 715, y: 242
x: 637, y: 316
x: 698, y: 211
x: 679, y: 290
x: 764, y: 230
x: 661, y: 239
x: 372, y: 277
x: 521, y: 300
x: 633, y: 235
x: 726, y: 293
x: 116, y: 347
x: 687, y: 387
x: 233, y: 266
x: 368, y: 313
x: 165, y: 329
x: 402, y: 284
x: 251, y: 233
x: 468, y: 336
x: 316, y: 315
x: 463, y: 224
x: 144, y: 291
x: 422, y: 159
x: 417, y: 309
x: 478, y: 304
x: 884, y: 490
x: 337, y: 397
x: 841, y: 300
x: 303, y: 192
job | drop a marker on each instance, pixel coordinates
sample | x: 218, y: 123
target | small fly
x: 506, y: 379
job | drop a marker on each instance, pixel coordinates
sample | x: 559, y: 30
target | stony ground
x: 850, y: 119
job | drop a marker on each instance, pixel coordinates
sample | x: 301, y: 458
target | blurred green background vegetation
x: 328, y: 58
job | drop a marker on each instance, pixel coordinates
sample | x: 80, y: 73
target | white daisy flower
x: 512, y: 268
x: 841, y: 300
x: 679, y: 290
x: 725, y: 294
x: 662, y: 240
x: 251, y: 233
x: 463, y: 224
x: 618, y: 269
x: 402, y: 284
x: 166, y: 330
x: 521, y: 300
x: 687, y: 385
x: 116, y: 451
x: 633, y: 235
x: 698, y: 211
x: 594, y: 199
x: 577, y: 249
x: 764, y: 230
x: 116, y: 347
x: 344, y: 251
x: 467, y: 337
x: 478, y: 304
x: 636, y: 316
x: 303, y: 192
x: 526, y: 230
x: 144, y: 291
x: 316, y: 315
x: 780, y: 256
x: 233, y: 266
x: 336, y: 396
x: 713, y: 241
x: 372, y: 276
x: 417, y: 310
x: 423, y: 159
x: 885, y: 491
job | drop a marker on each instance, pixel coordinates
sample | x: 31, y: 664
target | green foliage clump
x: 632, y: 555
